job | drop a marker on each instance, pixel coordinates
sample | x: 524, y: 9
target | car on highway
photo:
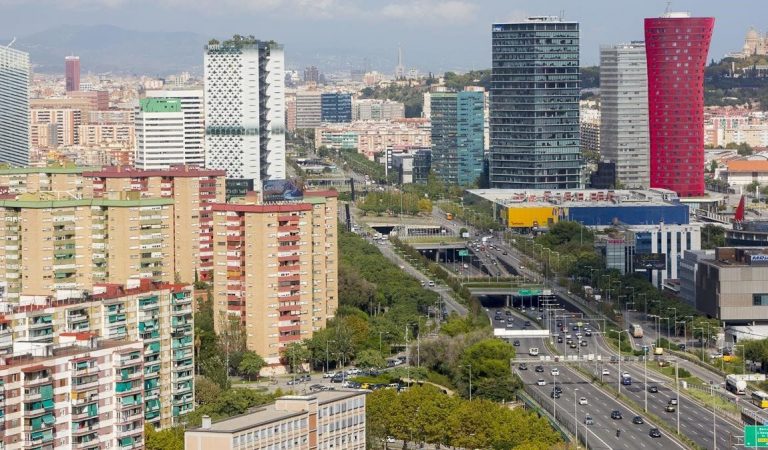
x: 573, y: 345
x: 516, y: 343
x: 541, y: 382
x: 588, y: 333
x: 583, y: 401
x: 559, y: 339
x: 431, y: 283
x: 583, y: 343
x: 555, y: 371
x: 555, y: 394
x: 616, y: 414
x: 338, y: 378
x: 653, y: 389
x: 508, y: 313
x: 558, y: 389
x: 527, y: 323
x: 539, y: 368
x: 654, y: 433
x: 522, y: 366
x: 606, y: 372
x: 329, y: 374
x: 637, y: 420
x: 588, y: 420
x: 670, y: 408
x: 673, y: 401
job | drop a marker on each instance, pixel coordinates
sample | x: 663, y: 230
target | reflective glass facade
x: 534, y: 117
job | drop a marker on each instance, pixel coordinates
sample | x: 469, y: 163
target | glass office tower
x: 534, y: 118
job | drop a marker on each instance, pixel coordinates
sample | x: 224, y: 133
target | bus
x: 626, y: 379
x: 760, y: 399
x: 735, y: 385
x: 636, y: 330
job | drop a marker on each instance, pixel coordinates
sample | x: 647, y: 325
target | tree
x: 167, y: 439
x: 206, y: 391
x: 295, y: 355
x: 712, y: 236
x: 251, y: 364
x: 370, y: 358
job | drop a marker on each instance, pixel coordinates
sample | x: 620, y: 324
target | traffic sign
x: 755, y: 436
x: 526, y: 292
x: 463, y: 252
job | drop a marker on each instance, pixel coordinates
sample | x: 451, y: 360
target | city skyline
x: 374, y: 31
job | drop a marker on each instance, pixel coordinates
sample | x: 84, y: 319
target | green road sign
x: 755, y: 436
x: 463, y: 252
x: 526, y: 292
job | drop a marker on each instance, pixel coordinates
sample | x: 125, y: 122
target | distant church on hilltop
x: 755, y: 43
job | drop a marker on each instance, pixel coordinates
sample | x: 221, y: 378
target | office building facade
x: 309, y: 109
x: 457, y: 136
x: 193, y: 109
x: 336, y: 107
x: 72, y: 73
x: 534, y: 111
x: 245, y: 109
x: 14, y: 106
x: 624, y: 112
x: 676, y: 47
x: 323, y: 420
x: 159, y: 133
x: 276, y: 269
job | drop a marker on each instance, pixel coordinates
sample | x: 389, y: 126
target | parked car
x: 329, y: 374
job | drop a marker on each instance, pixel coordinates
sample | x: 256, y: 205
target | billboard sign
x: 280, y: 191
x: 650, y: 261
x: 759, y: 259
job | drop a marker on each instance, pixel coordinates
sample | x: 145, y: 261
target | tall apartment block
x: 193, y: 109
x: 245, y: 109
x: 58, y: 243
x: 534, y: 111
x: 14, y: 106
x: 457, y: 136
x: 72, y: 73
x: 156, y: 316
x: 676, y: 47
x: 159, y: 133
x: 309, y: 109
x: 276, y: 269
x: 624, y: 112
x: 82, y: 394
x: 194, y: 188
x: 336, y: 107
x: 323, y: 420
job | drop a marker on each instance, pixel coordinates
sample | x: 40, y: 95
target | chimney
x: 206, y: 423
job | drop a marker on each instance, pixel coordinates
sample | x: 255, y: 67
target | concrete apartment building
x: 377, y: 109
x: 158, y: 317
x: 372, y: 137
x: 623, y: 126
x: 67, y: 122
x: 276, y: 267
x: 56, y: 243
x: 323, y: 420
x: 309, y: 109
x: 84, y: 393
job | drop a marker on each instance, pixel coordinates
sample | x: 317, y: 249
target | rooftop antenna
x: 562, y: 14
x: 669, y: 6
x: 9, y: 45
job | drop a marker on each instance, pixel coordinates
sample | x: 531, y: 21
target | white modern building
x: 377, y: 109
x: 245, y: 109
x: 159, y: 134
x: 624, y: 112
x: 193, y: 108
x: 14, y: 106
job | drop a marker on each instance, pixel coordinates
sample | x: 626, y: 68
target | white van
x: 533, y: 351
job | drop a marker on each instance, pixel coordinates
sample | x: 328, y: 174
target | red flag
x: 739, y: 217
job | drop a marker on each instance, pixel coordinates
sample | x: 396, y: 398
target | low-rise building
x: 370, y: 138
x: 687, y: 273
x: 324, y: 420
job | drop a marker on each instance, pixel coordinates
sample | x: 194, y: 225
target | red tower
x: 676, y: 47
x: 72, y: 72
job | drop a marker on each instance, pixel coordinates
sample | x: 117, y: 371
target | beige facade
x: 733, y: 287
x: 68, y: 121
x: 79, y: 395
x: 324, y: 420
x: 56, y: 243
x: 276, y: 269
x: 370, y: 138
x: 91, y: 134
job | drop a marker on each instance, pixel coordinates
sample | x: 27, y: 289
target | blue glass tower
x: 534, y: 111
x: 457, y: 136
x: 336, y: 107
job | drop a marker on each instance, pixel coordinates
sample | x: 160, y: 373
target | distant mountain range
x: 107, y: 48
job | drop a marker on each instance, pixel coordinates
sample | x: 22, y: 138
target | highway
x: 600, y: 435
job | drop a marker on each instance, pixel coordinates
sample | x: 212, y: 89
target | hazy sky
x: 435, y: 34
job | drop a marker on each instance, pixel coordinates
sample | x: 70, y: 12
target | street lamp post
x: 667, y: 319
x: 677, y: 385
x: 743, y: 357
x: 619, y: 377
x: 575, y: 420
x: 645, y: 379
x: 326, y: 354
x: 675, y: 322
x: 702, y: 344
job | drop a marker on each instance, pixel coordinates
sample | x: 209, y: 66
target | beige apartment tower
x: 276, y: 268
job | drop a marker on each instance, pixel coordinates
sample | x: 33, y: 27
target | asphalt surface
x: 603, y: 433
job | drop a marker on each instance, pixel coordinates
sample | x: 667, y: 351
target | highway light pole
x: 575, y: 420
x: 554, y: 395
x: 677, y: 385
x: 618, y: 383
x: 675, y: 322
x: 702, y: 344
x: 645, y: 376
x: 743, y: 357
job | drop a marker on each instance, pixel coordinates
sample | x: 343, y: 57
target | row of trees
x: 426, y: 415
x: 395, y: 203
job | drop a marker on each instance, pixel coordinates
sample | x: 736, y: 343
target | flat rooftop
x: 269, y: 413
x: 522, y: 198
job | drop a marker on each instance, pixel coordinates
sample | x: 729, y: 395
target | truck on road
x: 636, y: 330
x: 626, y: 379
x: 735, y: 385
